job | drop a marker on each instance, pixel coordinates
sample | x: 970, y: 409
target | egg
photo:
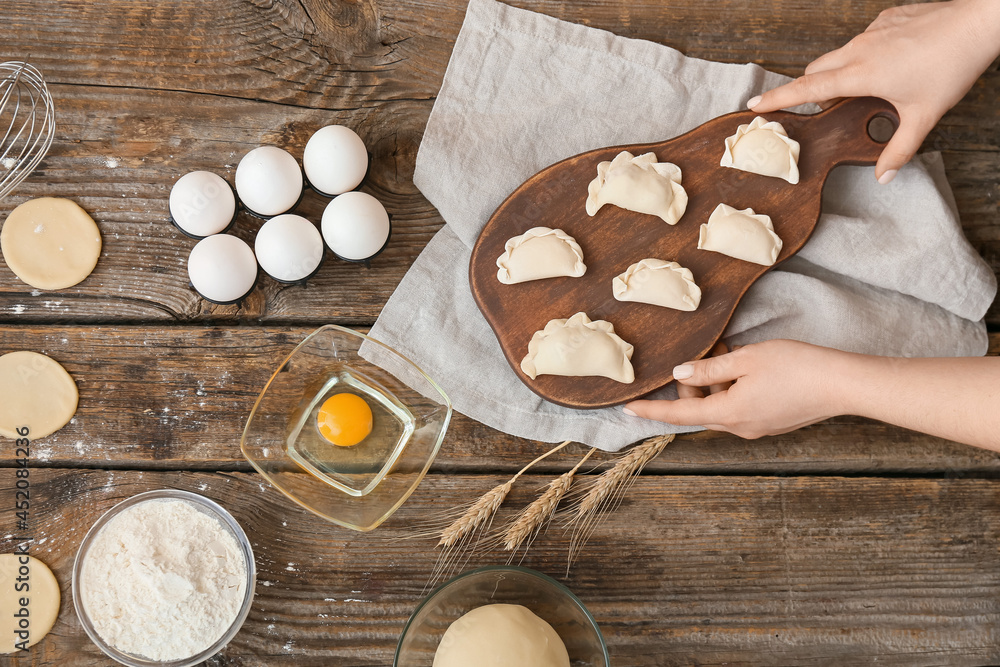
x: 222, y: 268
x: 344, y: 419
x: 289, y: 248
x: 268, y: 181
x: 335, y: 160
x: 202, y: 203
x: 355, y: 226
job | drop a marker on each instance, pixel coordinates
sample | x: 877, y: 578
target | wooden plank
x: 142, y: 273
x: 120, y: 167
x: 689, y: 570
x: 178, y: 397
x: 315, y: 53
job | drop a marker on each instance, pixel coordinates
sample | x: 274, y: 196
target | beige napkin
x: 886, y: 272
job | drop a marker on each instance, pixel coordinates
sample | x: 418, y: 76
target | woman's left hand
x: 761, y: 389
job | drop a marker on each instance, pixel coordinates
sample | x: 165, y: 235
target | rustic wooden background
x: 848, y: 542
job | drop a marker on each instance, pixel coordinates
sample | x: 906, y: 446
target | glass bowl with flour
x: 164, y: 578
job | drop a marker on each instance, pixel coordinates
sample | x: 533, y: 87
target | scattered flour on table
x: 163, y: 580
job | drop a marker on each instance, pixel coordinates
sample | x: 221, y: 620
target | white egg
x: 202, y: 203
x: 222, y: 268
x: 268, y: 181
x: 289, y: 247
x: 335, y: 160
x: 355, y: 226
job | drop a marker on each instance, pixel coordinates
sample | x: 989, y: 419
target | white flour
x: 163, y: 580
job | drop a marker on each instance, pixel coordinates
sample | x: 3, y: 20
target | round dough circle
x: 50, y: 243
x: 501, y: 635
x: 37, y: 392
x: 42, y: 596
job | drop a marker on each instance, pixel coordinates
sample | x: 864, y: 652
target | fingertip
x: 887, y: 176
x: 903, y: 145
x: 646, y: 409
x: 763, y: 103
x: 683, y: 372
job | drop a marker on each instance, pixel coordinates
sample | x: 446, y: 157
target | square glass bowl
x: 357, y: 487
x: 502, y: 584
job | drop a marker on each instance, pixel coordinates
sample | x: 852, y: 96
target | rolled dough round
x: 501, y: 635
x: 50, y: 243
x: 37, y: 392
x: 24, y: 578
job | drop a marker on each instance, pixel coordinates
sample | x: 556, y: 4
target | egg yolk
x: 344, y: 419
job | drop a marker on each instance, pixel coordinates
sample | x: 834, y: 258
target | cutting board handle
x: 845, y: 131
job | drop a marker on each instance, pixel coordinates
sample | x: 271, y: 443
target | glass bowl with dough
x: 501, y: 616
x: 346, y: 427
x: 165, y: 578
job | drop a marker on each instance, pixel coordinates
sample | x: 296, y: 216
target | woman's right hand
x: 922, y: 58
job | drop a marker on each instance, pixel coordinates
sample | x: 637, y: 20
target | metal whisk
x: 27, y: 121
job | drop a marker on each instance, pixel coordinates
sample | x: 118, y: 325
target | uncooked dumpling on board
x: 540, y: 253
x: 639, y: 184
x: 741, y: 234
x: 579, y: 347
x: 764, y: 148
x: 658, y: 282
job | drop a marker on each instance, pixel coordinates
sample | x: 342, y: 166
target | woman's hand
x: 777, y: 386
x: 922, y: 58
x: 780, y: 385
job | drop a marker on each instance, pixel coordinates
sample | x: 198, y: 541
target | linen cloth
x: 887, y: 271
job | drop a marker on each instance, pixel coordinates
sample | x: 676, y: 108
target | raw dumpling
x: 639, y: 184
x: 658, y: 282
x: 764, y: 148
x: 741, y: 234
x: 540, y: 253
x: 579, y: 347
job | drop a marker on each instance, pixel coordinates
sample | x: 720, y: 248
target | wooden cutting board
x: 615, y: 238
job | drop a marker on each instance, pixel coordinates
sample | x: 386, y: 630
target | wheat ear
x: 606, y: 493
x: 538, y: 513
x: 482, y: 511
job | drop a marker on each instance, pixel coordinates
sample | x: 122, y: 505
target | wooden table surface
x: 848, y: 542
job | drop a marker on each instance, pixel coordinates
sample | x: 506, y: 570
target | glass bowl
x: 506, y: 584
x: 357, y: 487
x: 202, y: 504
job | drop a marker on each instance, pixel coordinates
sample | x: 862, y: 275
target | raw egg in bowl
x: 342, y: 436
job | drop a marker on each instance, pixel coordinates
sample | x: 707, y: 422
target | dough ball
x: 37, y: 392
x: 25, y: 578
x: 50, y: 243
x: 501, y: 635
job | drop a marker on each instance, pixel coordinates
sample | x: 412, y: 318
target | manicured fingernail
x: 753, y: 101
x: 887, y: 177
x: 629, y: 412
x: 683, y: 372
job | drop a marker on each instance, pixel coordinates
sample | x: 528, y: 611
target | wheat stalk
x: 460, y: 538
x: 534, y: 516
x: 477, y: 514
x: 482, y: 511
x: 608, y: 491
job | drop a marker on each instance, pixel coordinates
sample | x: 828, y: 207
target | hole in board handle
x: 881, y: 128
